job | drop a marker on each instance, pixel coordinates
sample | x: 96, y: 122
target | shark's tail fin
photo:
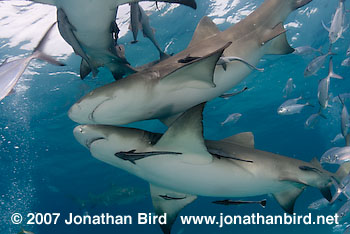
x: 38, y: 51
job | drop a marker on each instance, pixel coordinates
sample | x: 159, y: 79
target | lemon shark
x: 88, y: 27
x: 192, y: 76
x: 231, y: 167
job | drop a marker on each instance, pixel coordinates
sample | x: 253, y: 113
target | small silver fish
x: 323, y: 86
x: 288, y: 89
x: 336, y: 155
x: 319, y: 204
x: 292, y: 109
x: 337, y: 138
x: 344, y: 211
x: 312, y: 121
x: 348, y: 51
x: 315, y: 64
x: 342, y: 188
x: 223, y: 61
x: 305, y: 50
x: 337, y: 25
x: 232, y: 118
x: 290, y: 102
x: 346, y: 62
x: 10, y: 72
x: 342, y: 96
x: 345, y: 119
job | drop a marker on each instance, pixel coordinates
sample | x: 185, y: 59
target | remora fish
x: 146, y: 28
x: 67, y: 32
x: 171, y: 87
x: 197, y: 173
x: 132, y: 156
x: 323, y: 86
x: 231, y: 202
x: 228, y: 95
x: 337, y: 25
x: 92, y: 21
x: 134, y: 20
x: 10, y: 72
x: 348, y: 51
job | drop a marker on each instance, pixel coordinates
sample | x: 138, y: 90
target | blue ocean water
x: 44, y: 169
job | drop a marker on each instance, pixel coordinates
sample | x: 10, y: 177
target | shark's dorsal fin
x: 186, y: 136
x: 245, y: 139
x: 278, y: 41
x: 287, y: 198
x: 198, y: 73
x: 316, y: 163
x: 205, y: 28
x: 163, y: 203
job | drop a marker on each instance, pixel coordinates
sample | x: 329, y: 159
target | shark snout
x: 87, y: 134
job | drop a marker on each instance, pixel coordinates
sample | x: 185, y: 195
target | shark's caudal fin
x: 38, y: 51
x: 205, y: 28
x: 170, y: 203
x: 186, y: 133
x: 197, y: 73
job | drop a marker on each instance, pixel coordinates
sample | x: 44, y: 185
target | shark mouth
x: 91, y: 115
x: 89, y: 142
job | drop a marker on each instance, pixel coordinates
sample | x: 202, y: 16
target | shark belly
x: 85, y: 24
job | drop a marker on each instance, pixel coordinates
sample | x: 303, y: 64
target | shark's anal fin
x: 205, y: 28
x: 277, y: 40
x: 287, y: 198
x: 171, y: 207
x: 198, y: 73
x: 186, y: 133
x: 245, y: 139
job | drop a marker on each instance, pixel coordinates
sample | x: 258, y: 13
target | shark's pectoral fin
x: 245, y: 139
x: 287, y: 198
x: 205, y: 28
x: 278, y: 41
x: 171, y: 207
x: 198, y: 73
x: 84, y: 69
x: 186, y: 133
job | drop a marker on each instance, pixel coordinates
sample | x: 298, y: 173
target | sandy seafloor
x: 44, y: 169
